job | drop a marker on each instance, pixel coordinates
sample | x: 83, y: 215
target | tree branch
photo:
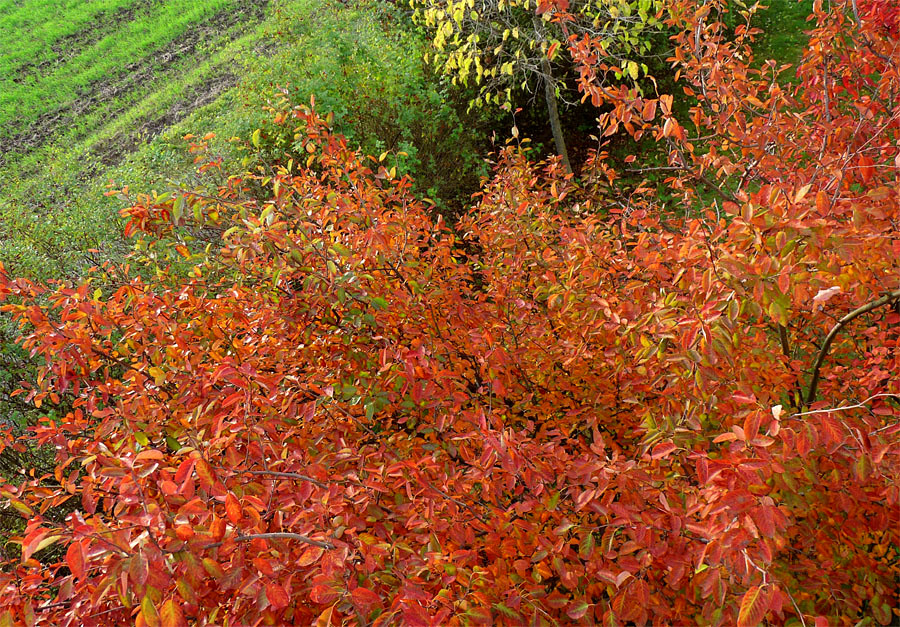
x: 823, y: 352
x: 277, y: 535
x: 290, y: 475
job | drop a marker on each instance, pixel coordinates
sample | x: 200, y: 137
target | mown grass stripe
x: 21, y: 105
x: 95, y: 74
x: 27, y: 36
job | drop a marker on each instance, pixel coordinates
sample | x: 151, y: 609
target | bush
x: 365, y: 66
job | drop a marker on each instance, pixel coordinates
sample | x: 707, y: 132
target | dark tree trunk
x: 553, y: 112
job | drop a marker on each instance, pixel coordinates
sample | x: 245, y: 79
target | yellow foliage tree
x: 502, y: 46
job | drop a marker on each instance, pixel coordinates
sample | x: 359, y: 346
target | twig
x: 823, y: 352
x: 859, y: 405
x: 276, y: 535
x: 785, y: 345
x: 291, y: 475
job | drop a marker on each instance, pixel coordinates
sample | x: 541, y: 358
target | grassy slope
x: 68, y: 119
x: 360, y: 63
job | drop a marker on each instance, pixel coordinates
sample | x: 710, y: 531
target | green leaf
x: 507, y: 611
x: 148, y: 610
x: 379, y: 303
x: 178, y: 207
x: 554, y: 500
x: 586, y: 548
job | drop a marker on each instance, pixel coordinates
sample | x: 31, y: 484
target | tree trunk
x: 550, y: 96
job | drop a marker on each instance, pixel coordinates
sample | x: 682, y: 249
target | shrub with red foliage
x: 571, y: 407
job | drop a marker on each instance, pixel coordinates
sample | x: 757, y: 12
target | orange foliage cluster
x: 570, y: 407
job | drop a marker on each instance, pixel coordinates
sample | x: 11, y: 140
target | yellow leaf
x: 324, y: 619
x: 633, y: 69
x: 158, y: 374
x: 753, y: 607
x: 801, y: 193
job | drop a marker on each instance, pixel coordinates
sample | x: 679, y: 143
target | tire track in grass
x: 112, y: 152
x: 129, y: 78
x: 28, y: 34
x: 69, y: 45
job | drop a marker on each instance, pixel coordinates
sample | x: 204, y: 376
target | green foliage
x: 364, y: 65
x: 503, y: 45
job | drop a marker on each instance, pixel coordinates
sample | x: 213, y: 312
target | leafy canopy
x: 579, y: 404
x: 504, y: 45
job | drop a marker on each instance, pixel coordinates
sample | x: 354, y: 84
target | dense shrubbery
x: 580, y: 403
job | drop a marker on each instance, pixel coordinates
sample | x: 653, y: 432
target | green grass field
x: 84, y: 85
x: 64, y: 62
x: 783, y: 23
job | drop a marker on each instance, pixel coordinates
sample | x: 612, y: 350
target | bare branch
x: 823, y: 352
x: 276, y: 535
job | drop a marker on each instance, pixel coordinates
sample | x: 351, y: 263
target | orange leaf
x: 310, y: 556
x: 170, y: 615
x: 866, y: 168
x: 233, y: 508
x: 205, y: 473
x: 184, y: 532
x: 753, y: 607
x: 821, y: 201
x: 663, y: 449
x: 277, y: 596
x: 75, y: 559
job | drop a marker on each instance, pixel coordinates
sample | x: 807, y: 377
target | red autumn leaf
x: 577, y: 610
x: 365, y: 599
x: 75, y: 559
x: 745, y: 399
x: 277, y: 596
x: 323, y: 594
x: 233, y: 508
x: 663, y: 450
